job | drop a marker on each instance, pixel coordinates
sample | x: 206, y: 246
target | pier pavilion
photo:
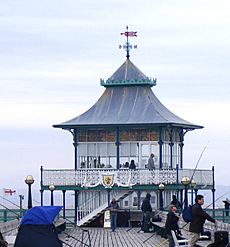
x: 128, y: 122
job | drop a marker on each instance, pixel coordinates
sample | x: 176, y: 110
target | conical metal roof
x: 127, y: 101
x: 128, y: 74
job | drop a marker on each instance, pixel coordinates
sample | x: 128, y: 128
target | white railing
x: 123, y: 177
x: 96, y: 204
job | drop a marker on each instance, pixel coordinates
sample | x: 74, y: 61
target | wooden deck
x: 101, y: 237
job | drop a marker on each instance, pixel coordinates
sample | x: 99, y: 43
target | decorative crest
x: 108, y: 180
x: 127, y: 46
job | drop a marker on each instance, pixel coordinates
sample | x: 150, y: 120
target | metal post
x: 29, y: 181
x: 76, y: 207
x: 51, y: 188
x: 177, y: 181
x: 51, y: 198
x: 75, y: 143
x: 138, y: 199
x: 192, y: 196
x: 161, y: 200
x: 161, y: 189
x: 213, y: 191
x: 21, y: 198
x: 160, y: 149
x: 181, y: 147
x: 118, y: 147
x: 108, y: 197
x: 186, y: 196
x: 196, y: 191
x: 29, y: 197
x: 41, y: 191
x: 64, y: 191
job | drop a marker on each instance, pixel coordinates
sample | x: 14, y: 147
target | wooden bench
x: 135, y: 217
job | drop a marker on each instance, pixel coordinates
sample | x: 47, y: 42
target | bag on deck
x: 187, y: 214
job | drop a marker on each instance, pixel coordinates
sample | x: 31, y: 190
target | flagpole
x: 127, y: 46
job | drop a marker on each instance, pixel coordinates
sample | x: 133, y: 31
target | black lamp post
x: 29, y: 181
x: 161, y: 189
x: 185, y: 181
x: 51, y: 188
x: 193, y: 185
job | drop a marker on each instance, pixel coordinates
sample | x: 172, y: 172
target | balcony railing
x: 123, y: 177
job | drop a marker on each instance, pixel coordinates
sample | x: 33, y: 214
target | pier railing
x: 123, y: 177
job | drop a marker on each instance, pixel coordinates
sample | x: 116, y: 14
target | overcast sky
x: 53, y: 54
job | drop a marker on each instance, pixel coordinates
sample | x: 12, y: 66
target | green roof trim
x: 147, y: 81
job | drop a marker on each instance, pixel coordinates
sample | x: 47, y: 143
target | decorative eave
x: 128, y: 75
x: 127, y: 106
x: 150, y: 82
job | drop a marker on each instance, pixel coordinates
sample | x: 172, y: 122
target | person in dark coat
x: 198, y: 219
x: 176, y: 203
x: 113, y: 214
x: 226, y: 206
x: 172, y: 224
x: 146, y: 210
x: 132, y: 165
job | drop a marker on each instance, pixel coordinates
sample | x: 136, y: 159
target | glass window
x: 111, y: 149
x: 101, y: 149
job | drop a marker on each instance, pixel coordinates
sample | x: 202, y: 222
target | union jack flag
x: 130, y: 34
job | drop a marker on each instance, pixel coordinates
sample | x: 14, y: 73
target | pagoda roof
x: 132, y: 105
x: 127, y: 100
x: 128, y: 74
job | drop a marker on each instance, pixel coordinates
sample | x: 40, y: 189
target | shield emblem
x: 108, y: 180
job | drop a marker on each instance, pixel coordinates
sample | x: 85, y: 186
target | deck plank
x: 101, y: 237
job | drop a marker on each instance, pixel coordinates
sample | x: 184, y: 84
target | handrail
x: 122, y: 177
x: 95, y: 203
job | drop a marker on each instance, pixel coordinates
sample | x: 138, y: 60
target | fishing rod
x: 10, y: 202
x: 69, y: 236
x: 208, y: 206
x: 194, y: 170
x: 198, y: 162
x: 18, y: 216
x: 65, y: 243
x: 188, y: 222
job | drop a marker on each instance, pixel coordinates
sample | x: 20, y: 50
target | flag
x: 9, y: 192
x: 130, y: 34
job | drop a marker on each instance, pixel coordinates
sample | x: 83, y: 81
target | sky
x: 53, y: 54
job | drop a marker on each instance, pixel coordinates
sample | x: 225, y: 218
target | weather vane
x: 127, y: 46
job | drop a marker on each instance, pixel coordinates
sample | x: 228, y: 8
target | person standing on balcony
x: 113, y: 214
x: 198, y: 219
x: 146, y: 210
x: 132, y: 165
x: 151, y: 163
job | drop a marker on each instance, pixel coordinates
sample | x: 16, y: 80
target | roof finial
x: 127, y: 46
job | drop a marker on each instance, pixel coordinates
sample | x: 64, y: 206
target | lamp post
x: 185, y: 181
x: 51, y: 188
x: 161, y: 189
x: 29, y: 181
x: 193, y: 185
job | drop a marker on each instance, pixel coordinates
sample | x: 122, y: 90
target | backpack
x: 187, y: 214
